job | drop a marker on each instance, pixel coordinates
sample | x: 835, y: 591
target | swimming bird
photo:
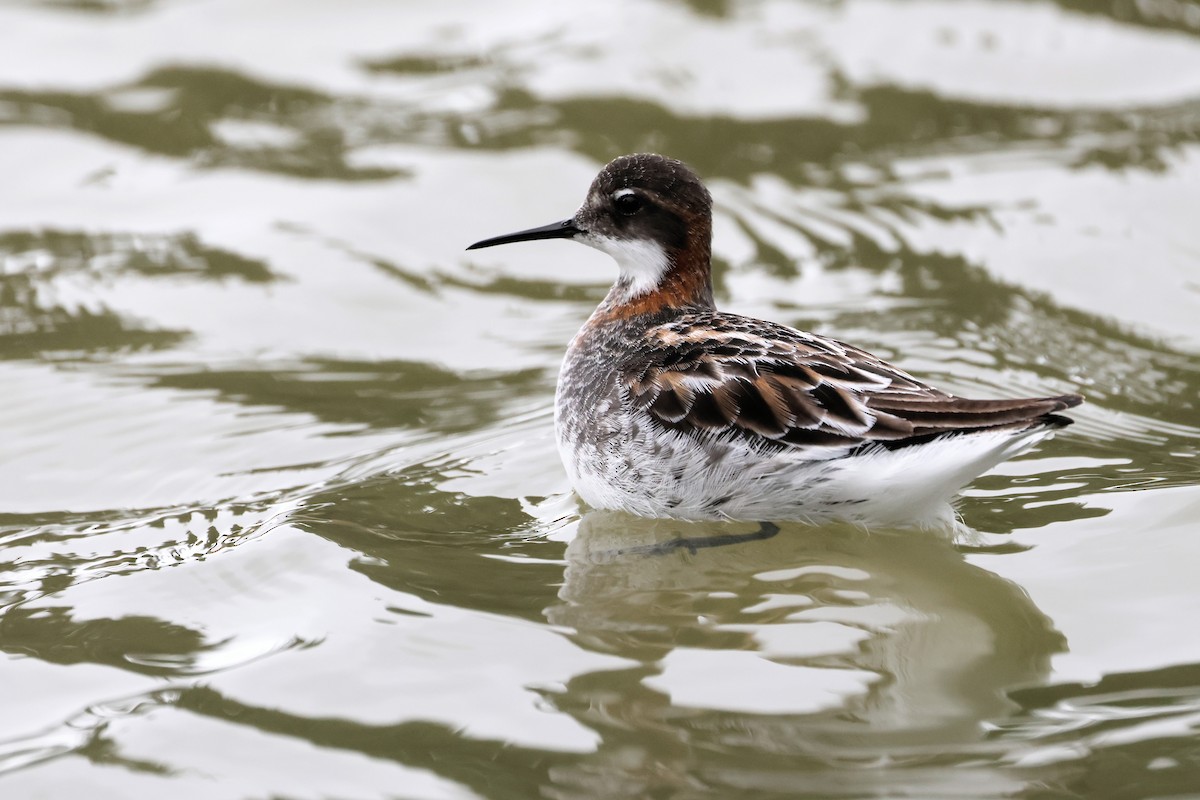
x: 667, y: 407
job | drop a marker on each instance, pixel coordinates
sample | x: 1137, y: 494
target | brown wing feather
x: 730, y: 375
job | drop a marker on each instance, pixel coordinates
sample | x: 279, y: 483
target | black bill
x: 555, y: 230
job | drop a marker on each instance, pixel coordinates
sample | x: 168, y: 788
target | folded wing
x: 732, y: 376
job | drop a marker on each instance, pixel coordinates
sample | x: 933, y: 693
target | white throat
x: 642, y: 262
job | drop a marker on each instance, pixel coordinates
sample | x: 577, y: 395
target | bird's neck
x: 654, y: 280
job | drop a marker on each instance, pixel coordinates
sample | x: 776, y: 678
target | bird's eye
x: 628, y: 204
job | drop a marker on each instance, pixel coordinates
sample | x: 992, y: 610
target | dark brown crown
x: 673, y: 182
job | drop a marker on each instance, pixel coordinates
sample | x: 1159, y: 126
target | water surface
x: 280, y: 510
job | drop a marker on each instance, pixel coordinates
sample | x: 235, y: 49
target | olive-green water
x: 280, y: 510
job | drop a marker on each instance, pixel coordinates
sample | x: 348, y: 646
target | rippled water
x: 280, y: 512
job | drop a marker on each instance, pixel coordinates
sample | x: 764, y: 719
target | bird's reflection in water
x: 803, y: 651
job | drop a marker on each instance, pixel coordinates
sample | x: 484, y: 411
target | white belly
x: 644, y: 470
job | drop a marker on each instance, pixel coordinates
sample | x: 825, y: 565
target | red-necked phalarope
x: 667, y: 407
